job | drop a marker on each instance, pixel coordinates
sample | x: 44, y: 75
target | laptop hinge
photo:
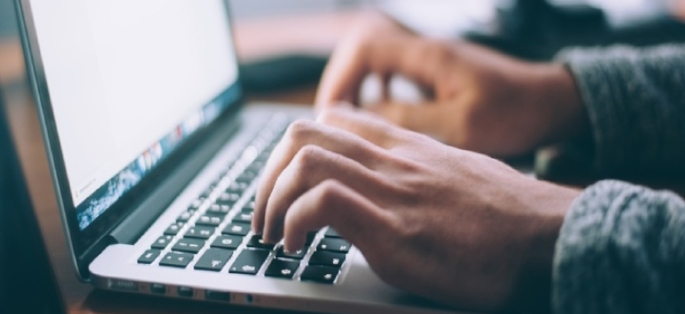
x: 144, y: 215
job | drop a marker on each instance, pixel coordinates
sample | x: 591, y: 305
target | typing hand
x: 454, y: 226
x: 478, y: 99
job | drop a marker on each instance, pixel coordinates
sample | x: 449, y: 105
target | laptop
x: 27, y: 281
x: 155, y: 159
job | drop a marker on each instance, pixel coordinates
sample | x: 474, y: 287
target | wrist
x: 533, y: 287
x: 559, y: 102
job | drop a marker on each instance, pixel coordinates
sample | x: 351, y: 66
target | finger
x: 302, y: 133
x: 331, y: 203
x: 311, y: 166
x: 419, y: 59
x: 429, y: 118
x: 367, y: 126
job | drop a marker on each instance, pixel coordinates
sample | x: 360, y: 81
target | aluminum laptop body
x: 111, y: 219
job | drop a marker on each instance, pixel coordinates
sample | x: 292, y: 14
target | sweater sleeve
x: 635, y: 99
x: 621, y: 249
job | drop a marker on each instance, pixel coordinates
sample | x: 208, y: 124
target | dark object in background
x: 27, y: 281
x: 282, y: 72
x: 537, y: 30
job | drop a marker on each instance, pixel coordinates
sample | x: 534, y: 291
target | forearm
x: 621, y: 249
x: 635, y: 101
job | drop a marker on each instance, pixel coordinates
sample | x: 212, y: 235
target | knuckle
x: 328, y: 194
x: 329, y: 115
x: 308, y: 158
x: 300, y: 129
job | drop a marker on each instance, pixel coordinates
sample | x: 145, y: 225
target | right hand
x: 481, y: 100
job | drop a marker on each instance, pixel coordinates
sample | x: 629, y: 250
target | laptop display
x: 126, y: 90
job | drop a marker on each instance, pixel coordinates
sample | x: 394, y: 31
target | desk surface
x: 255, y: 39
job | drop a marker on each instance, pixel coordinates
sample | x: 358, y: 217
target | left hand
x: 451, y: 225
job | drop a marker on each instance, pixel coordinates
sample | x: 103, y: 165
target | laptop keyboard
x: 213, y: 234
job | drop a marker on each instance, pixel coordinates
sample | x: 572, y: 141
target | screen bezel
x: 95, y: 235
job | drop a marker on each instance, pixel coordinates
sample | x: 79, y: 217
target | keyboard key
x: 200, y: 232
x: 249, y: 262
x: 282, y: 269
x: 176, y: 259
x: 331, y: 233
x: 334, y: 245
x: 227, y: 199
x: 310, y: 237
x: 322, y: 274
x: 256, y: 242
x: 218, y: 210
x: 174, y: 229
x: 323, y: 258
x: 148, y: 257
x: 188, y: 245
x: 186, y: 215
x: 213, y: 259
x: 237, y: 229
x: 196, y: 204
x: 243, y: 217
x: 237, y: 187
x: 161, y: 242
x: 209, y: 221
x: 295, y: 255
x: 227, y: 242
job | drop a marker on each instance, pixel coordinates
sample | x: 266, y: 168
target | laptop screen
x: 128, y: 82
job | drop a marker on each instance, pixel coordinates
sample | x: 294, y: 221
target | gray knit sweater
x: 622, y: 247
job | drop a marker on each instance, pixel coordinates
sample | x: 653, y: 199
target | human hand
x: 450, y: 225
x: 479, y: 99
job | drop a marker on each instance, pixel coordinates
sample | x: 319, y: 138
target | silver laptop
x: 155, y: 160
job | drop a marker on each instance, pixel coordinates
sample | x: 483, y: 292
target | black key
x: 334, y: 245
x: 246, y: 177
x: 331, y: 233
x: 227, y: 242
x: 148, y: 257
x: 161, y: 242
x: 249, y: 262
x: 227, y: 199
x: 199, y: 232
x: 237, y: 229
x: 218, y: 210
x: 185, y: 216
x: 320, y: 274
x: 243, y: 217
x: 256, y: 242
x: 176, y: 259
x: 188, y: 245
x: 310, y: 237
x: 323, y: 258
x: 174, y: 229
x: 294, y: 255
x: 237, y: 187
x: 208, y: 221
x: 213, y: 259
x: 282, y: 269
x: 196, y: 204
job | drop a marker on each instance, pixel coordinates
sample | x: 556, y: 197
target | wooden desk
x: 256, y: 39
